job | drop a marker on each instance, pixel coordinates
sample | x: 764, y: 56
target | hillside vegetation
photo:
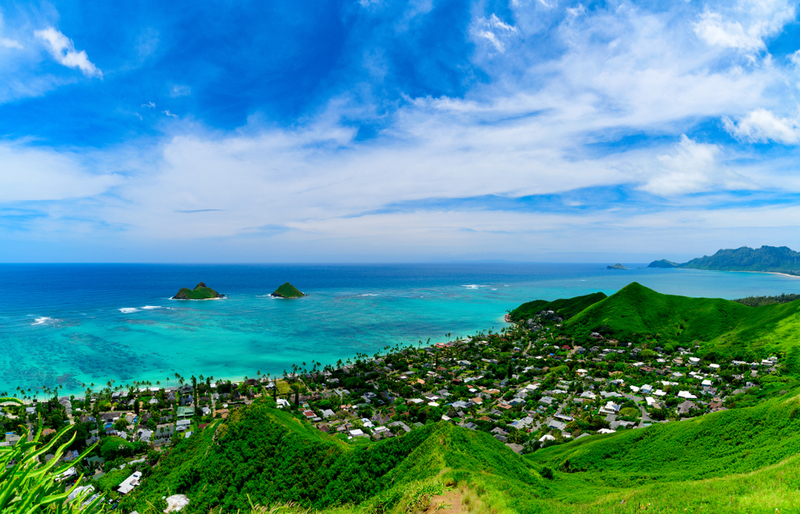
x: 565, y: 307
x: 264, y: 455
x: 636, y: 313
x: 757, y: 301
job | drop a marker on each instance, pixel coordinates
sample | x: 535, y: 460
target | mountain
x: 767, y: 258
x: 564, y: 307
x: 638, y: 314
x: 287, y: 290
x: 200, y: 292
x: 663, y: 263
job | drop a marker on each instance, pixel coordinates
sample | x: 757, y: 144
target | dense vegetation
x: 758, y: 301
x: 200, y: 292
x: 265, y: 455
x: 714, y: 445
x: 565, y: 307
x: 766, y: 258
x: 721, y: 327
x: 287, y: 290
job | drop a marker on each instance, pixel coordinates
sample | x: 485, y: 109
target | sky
x: 383, y: 131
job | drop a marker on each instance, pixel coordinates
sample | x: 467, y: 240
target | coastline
x: 88, y: 339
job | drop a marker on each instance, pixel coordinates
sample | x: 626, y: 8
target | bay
x: 73, y: 324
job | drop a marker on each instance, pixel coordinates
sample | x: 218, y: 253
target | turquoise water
x: 73, y: 324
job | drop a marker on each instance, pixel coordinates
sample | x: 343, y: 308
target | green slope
x: 564, y: 307
x: 717, y: 444
x: 267, y: 456
x: 636, y: 313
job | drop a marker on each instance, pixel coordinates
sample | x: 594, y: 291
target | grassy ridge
x: 637, y: 313
x: 564, y: 307
x: 268, y: 456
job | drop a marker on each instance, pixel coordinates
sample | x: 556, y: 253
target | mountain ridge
x: 778, y: 259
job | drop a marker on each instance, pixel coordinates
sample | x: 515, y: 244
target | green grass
x: 267, y: 456
x: 733, y: 441
x: 636, y: 313
x: 565, y: 307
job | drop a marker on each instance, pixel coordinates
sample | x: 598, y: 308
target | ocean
x: 72, y: 325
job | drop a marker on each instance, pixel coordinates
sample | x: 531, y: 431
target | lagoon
x: 75, y: 324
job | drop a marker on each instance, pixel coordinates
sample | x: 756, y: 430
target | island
x: 775, y: 259
x: 200, y: 292
x: 616, y: 266
x: 287, y: 290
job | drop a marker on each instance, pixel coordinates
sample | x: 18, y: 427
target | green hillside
x: 742, y: 460
x: 200, y: 292
x: 266, y: 456
x: 565, y: 307
x: 636, y: 313
x: 717, y: 444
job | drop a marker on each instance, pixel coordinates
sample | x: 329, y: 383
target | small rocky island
x: 287, y: 290
x: 616, y: 266
x: 200, y: 292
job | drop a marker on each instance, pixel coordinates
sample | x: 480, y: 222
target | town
x: 526, y: 385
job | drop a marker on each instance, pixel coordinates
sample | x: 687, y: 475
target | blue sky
x: 373, y: 130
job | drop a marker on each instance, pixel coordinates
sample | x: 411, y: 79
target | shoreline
x: 233, y: 378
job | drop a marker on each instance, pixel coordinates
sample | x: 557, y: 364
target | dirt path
x: 450, y: 502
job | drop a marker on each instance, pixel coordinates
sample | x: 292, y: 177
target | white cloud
x: 716, y: 31
x: 494, y: 30
x: 762, y: 126
x: 746, y: 25
x: 39, y: 174
x: 489, y: 36
x: 541, y: 124
x: 10, y: 43
x: 63, y: 50
x: 690, y: 167
x: 795, y: 58
x: 180, y: 90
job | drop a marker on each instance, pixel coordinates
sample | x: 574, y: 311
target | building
x: 130, y: 483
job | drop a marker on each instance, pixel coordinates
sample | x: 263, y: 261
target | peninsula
x: 776, y: 259
x: 200, y: 292
x: 287, y: 290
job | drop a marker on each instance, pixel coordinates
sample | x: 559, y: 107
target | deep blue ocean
x: 74, y: 324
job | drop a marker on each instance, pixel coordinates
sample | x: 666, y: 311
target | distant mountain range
x: 767, y: 258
